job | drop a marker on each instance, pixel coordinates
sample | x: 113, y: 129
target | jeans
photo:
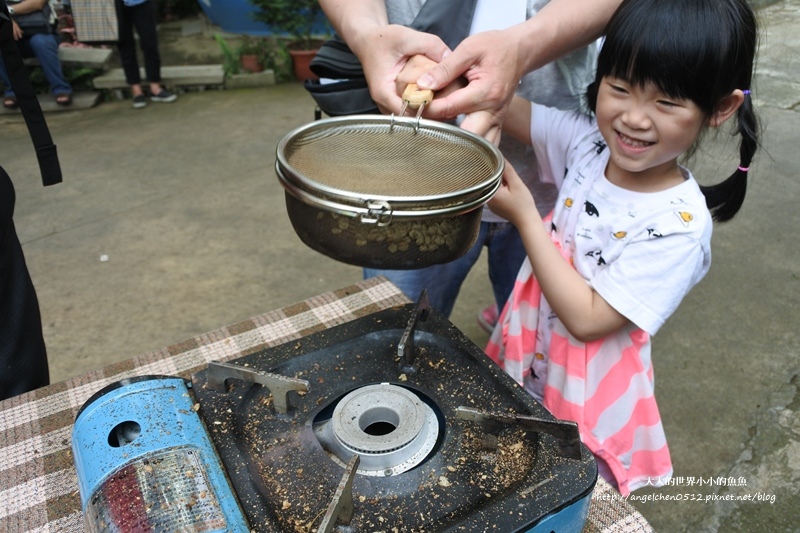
x: 506, y: 254
x: 44, y: 46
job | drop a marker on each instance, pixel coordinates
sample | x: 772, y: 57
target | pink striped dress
x: 642, y: 252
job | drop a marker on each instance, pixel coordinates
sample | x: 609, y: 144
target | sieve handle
x: 415, y: 97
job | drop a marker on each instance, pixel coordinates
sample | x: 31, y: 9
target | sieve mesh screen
x: 393, y: 161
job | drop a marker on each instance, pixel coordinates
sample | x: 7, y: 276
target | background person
x: 142, y: 16
x: 43, y: 45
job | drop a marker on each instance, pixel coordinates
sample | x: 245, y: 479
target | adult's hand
x: 16, y: 31
x: 494, y: 62
x: 390, y: 48
x: 417, y: 66
x: 491, y: 62
x: 491, y: 66
x: 382, y: 48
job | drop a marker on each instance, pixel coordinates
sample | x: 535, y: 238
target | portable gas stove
x: 392, y: 422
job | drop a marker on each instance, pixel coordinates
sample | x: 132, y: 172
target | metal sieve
x: 387, y: 192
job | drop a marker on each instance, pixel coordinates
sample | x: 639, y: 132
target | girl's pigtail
x: 726, y: 198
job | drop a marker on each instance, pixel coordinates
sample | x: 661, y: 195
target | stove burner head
x: 389, y: 427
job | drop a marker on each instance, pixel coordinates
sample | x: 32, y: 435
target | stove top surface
x: 437, y: 438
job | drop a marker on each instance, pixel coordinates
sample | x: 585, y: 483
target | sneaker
x: 164, y: 96
x: 139, y: 101
x: 487, y: 319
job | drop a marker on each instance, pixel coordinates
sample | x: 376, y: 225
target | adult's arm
x: 23, y: 8
x: 383, y: 48
x: 493, y: 62
x: 28, y: 6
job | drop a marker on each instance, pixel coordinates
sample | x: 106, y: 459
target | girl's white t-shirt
x: 642, y: 252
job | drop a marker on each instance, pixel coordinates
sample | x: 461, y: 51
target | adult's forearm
x: 352, y: 19
x: 561, y: 27
x: 28, y: 6
x: 383, y: 48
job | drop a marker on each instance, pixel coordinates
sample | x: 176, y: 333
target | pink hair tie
x: 744, y: 169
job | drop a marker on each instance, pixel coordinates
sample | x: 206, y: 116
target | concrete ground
x: 170, y: 223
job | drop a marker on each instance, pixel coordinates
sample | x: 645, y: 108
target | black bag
x: 23, y: 358
x: 349, y: 95
x: 449, y: 19
x: 36, y: 22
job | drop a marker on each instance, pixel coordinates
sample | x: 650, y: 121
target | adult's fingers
x: 391, y: 47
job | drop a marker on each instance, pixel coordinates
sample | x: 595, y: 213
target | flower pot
x: 301, y: 61
x: 250, y: 63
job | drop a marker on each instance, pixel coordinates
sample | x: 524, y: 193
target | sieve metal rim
x: 312, y: 185
x: 356, y: 211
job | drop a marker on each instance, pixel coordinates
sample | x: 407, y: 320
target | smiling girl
x: 630, y: 234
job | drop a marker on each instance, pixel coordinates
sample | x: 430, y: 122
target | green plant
x: 294, y: 17
x: 79, y: 78
x: 254, y: 46
x: 230, y: 59
x: 280, y: 62
x: 272, y: 54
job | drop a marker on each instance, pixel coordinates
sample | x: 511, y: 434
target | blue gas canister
x: 145, y: 462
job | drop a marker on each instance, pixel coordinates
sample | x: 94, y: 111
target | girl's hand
x: 513, y: 200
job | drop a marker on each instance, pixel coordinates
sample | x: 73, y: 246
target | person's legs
x: 24, y: 50
x: 443, y: 282
x: 506, y: 255
x: 8, y: 91
x: 126, y: 45
x: 45, y: 47
x: 144, y: 19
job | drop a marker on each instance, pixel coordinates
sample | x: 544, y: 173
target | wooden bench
x: 172, y: 76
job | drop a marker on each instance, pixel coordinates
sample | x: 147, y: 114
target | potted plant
x: 297, y: 19
x: 253, y: 52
